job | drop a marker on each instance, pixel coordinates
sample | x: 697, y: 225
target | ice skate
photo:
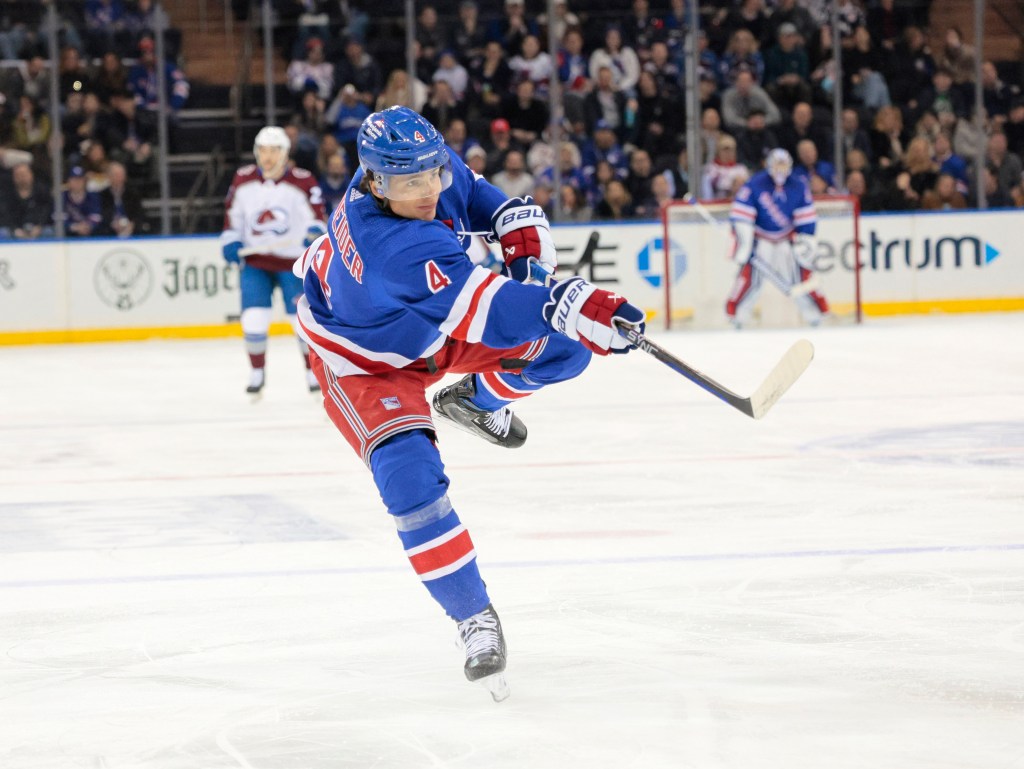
x: 484, y: 643
x: 311, y: 382
x: 501, y: 427
x: 257, y: 378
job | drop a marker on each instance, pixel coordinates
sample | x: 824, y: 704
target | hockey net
x: 697, y: 246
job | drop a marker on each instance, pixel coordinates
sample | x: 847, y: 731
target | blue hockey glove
x: 312, y: 233
x: 589, y: 314
x: 230, y: 251
x: 521, y: 227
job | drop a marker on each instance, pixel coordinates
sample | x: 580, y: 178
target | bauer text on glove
x: 521, y: 228
x: 589, y: 314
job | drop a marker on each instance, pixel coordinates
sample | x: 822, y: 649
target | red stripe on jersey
x: 497, y: 386
x: 444, y: 554
x: 368, y: 365
x: 462, y: 330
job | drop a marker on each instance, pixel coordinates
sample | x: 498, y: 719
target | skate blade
x: 497, y: 686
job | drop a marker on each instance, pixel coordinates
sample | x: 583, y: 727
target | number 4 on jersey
x: 436, y: 280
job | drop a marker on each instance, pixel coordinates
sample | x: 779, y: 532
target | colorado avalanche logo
x: 271, y: 220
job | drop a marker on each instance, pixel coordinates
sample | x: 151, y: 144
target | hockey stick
x: 788, y: 288
x: 786, y: 372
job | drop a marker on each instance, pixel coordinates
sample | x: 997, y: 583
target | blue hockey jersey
x: 775, y: 212
x: 381, y: 291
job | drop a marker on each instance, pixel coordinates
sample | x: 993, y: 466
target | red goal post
x: 699, y: 272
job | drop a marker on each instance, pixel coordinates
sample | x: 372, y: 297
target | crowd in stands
x: 483, y: 72
x: 106, y: 129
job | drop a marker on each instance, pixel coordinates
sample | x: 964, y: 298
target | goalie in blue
x: 774, y: 221
x: 391, y: 304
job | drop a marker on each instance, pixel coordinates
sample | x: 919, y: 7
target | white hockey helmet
x: 779, y: 165
x: 272, y: 136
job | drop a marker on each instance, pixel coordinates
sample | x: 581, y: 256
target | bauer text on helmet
x: 403, y: 154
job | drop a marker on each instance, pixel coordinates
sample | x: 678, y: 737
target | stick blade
x: 786, y: 372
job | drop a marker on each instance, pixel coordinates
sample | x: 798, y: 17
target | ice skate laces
x: 499, y: 421
x: 480, y: 634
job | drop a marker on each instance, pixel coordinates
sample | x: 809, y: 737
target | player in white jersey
x: 774, y: 221
x: 392, y: 303
x: 273, y: 212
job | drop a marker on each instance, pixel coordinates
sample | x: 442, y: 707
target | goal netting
x: 697, y: 244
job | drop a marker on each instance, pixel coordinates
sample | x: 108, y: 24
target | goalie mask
x: 271, y: 149
x: 779, y: 165
x: 404, y: 155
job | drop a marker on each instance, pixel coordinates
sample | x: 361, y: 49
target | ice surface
x: 188, y: 580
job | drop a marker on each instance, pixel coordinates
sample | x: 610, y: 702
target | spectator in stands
x: 432, y: 37
x: 82, y: 211
x: 74, y: 75
x: 142, y: 80
x: 996, y: 195
x: 26, y: 206
x: 121, y: 205
x: 678, y: 175
x: 748, y: 15
x: 791, y: 12
x: 491, y: 81
x: 995, y: 94
x: 949, y: 162
x: 944, y: 195
x: 723, y: 175
x: 476, y: 159
x: 616, y: 203
x: 91, y: 124
x: 468, y: 37
x: 920, y: 164
x: 956, y: 56
x: 570, y: 161
x: 313, y: 72
x: 942, y: 97
x: 801, y: 126
x: 510, y: 29
x: 891, y: 193
x: 913, y: 67
x: 311, y: 116
x: 597, y: 182
x: 707, y: 88
x: 742, y: 98
x: 864, y: 68
x: 755, y: 140
x: 142, y: 19
x: 334, y: 180
x: 498, y: 145
x: 514, y: 180
x: 29, y: 78
x: 131, y: 137
x: 888, y: 22
x: 398, y: 92
x: 574, y: 205
x: 787, y: 69
x: 1007, y: 165
x: 641, y: 28
x: 857, y: 160
x: 31, y: 130
x: 603, y: 145
x: 640, y: 177
x: 741, y: 55
x: 710, y: 132
x: 112, y: 76
x: 658, y: 119
x: 361, y: 70
x: 345, y: 116
x: 96, y: 165
x: 531, y: 63
x: 526, y: 114
x: 853, y: 136
x: 442, y: 107
x: 806, y: 165
x: 621, y: 60
x: 606, y: 103
x: 563, y: 21
x: 661, y: 195
x: 457, y: 138
x: 667, y: 74
x: 573, y: 74
x: 856, y: 184
x: 887, y: 137
x: 104, y: 26
x: 1014, y: 127
x: 452, y: 72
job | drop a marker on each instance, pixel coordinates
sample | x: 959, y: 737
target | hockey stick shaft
x: 781, y: 378
x: 775, y: 278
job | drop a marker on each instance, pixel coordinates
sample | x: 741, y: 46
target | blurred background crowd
x: 482, y: 71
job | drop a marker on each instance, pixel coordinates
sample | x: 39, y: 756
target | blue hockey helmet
x: 403, y: 154
x: 779, y: 164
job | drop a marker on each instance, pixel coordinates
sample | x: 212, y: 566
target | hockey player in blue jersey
x: 773, y: 217
x: 392, y: 303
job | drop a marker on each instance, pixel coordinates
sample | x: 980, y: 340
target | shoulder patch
x: 436, y: 280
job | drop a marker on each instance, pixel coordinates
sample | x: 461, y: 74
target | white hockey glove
x: 589, y: 315
x: 743, y: 241
x: 804, y: 248
x: 521, y: 227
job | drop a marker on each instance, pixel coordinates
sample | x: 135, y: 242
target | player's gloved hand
x: 588, y: 314
x: 521, y: 228
x: 230, y: 251
x: 313, y: 232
